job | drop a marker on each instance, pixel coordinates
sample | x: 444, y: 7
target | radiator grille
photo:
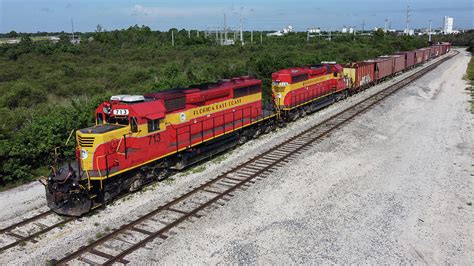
x: 85, y: 141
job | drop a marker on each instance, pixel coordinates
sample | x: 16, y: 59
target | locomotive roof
x: 294, y: 71
x: 221, y: 84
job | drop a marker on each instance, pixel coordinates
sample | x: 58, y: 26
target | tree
x: 12, y: 34
x: 63, y: 38
x: 379, y: 33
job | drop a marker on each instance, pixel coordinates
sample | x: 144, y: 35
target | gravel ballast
x: 392, y: 186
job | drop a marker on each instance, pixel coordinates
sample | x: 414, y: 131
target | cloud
x: 142, y: 11
x: 68, y: 5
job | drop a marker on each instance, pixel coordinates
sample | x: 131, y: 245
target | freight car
x: 409, y: 58
x: 141, y: 138
x: 383, y: 67
x: 360, y: 75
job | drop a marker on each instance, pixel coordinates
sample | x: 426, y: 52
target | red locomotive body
x: 296, y: 86
x: 170, y: 121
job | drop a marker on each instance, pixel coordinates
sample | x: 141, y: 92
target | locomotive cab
x: 101, y: 150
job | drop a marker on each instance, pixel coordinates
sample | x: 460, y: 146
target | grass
x: 470, y: 77
x: 198, y: 169
x: 168, y: 181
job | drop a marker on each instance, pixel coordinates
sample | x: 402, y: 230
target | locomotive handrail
x: 224, y: 125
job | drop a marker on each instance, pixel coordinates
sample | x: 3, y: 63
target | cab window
x: 153, y: 125
x: 134, y: 124
x: 100, y: 119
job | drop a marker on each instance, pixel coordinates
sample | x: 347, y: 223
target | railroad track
x: 158, y: 224
x: 29, y: 229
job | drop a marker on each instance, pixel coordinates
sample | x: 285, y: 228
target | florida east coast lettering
x: 217, y: 107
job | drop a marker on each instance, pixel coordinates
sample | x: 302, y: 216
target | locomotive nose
x: 63, y: 194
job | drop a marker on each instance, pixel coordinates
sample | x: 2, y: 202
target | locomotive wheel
x: 302, y: 112
x: 257, y: 132
x: 242, y: 139
x: 135, y: 185
x: 161, y: 173
x: 137, y: 182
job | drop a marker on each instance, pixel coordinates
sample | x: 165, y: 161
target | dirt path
x: 394, y: 186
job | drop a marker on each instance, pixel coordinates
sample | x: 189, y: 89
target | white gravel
x: 394, y: 186
x: 357, y: 197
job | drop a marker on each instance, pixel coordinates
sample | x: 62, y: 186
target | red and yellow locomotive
x: 138, y: 139
x: 298, y: 91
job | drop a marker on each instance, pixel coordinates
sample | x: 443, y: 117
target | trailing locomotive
x: 138, y: 139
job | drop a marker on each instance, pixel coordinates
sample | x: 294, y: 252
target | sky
x: 56, y: 15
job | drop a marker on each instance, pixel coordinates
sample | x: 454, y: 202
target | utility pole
x: 241, y: 31
x: 386, y: 20
x: 197, y: 33
x: 307, y: 37
x: 225, y: 28
x: 407, y: 20
x: 261, y: 37
x: 251, y: 37
x: 172, y: 37
x: 329, y: 34
x: 429, y: 33
x: 72, y: 26
x: 189, y: 34
x: 363, y: 26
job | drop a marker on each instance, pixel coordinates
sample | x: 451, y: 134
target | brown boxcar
x: 409, y: 58
x: 435, y: 50
x: 446, y: 46
x: 361, y: 74
x: 398, y: 63
x: 383, y: 67
x: 426, y: 54
x: 418, y: 56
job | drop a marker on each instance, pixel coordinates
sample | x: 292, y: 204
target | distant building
x: 347, y: 30
x: 287, y: 29
x: 54, y: 39
x: 410, y: 32
x: 282, y: 31
x: 13, y: 41
x: 228, y: 42
x: 448, y: 25
x: 314, y: 30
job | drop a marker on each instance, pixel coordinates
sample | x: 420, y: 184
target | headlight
x: 106, y: 110
x: 84, y: 154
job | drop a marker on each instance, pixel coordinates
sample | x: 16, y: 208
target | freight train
x: 138, y: 139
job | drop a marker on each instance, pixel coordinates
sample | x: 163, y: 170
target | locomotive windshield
x: 121, y: 120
